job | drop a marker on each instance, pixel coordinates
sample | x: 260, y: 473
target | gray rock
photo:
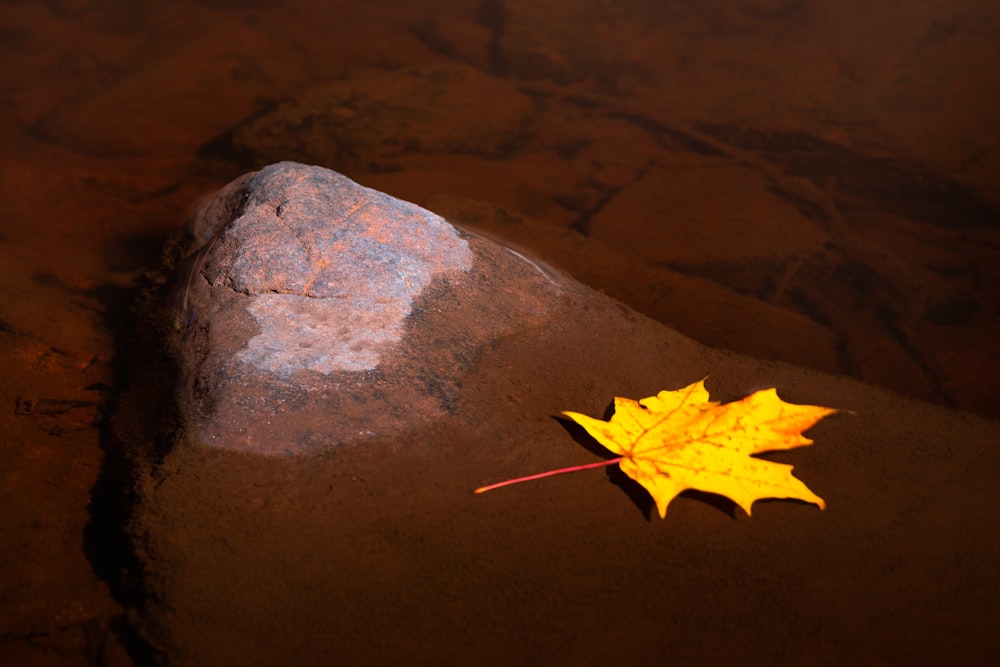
x: 314, y: 311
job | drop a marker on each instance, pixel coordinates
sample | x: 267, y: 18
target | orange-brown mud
x: 801, y: 180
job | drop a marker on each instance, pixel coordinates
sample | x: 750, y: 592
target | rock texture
x: 315, y: 311
x: 377, y: 121
x: 115, y: 119
x: 785, y: 222
x: 368, y: 544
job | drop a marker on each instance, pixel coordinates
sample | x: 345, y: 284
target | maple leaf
x: 679, y: 440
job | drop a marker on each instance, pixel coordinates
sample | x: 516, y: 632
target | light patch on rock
x: 332, y: 268
x: 321, y: 335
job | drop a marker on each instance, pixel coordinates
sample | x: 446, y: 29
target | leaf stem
x: 549, y: 473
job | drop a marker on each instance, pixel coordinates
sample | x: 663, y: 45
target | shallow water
x: 813, y: 182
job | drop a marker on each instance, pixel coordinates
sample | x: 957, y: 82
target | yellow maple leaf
x: 680, y: 440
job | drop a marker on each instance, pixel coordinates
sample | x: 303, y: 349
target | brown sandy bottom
x: 688, y: 158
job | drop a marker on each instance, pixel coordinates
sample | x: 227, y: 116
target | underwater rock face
x: 376, y: 119
x: 381, y: 553
x: 315, y: 311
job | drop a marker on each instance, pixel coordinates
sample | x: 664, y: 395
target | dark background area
x: 801, y: 180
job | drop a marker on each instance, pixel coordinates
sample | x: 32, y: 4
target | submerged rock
x: 381, y: 554
x: 375, y: 120
x: 314, y: 311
